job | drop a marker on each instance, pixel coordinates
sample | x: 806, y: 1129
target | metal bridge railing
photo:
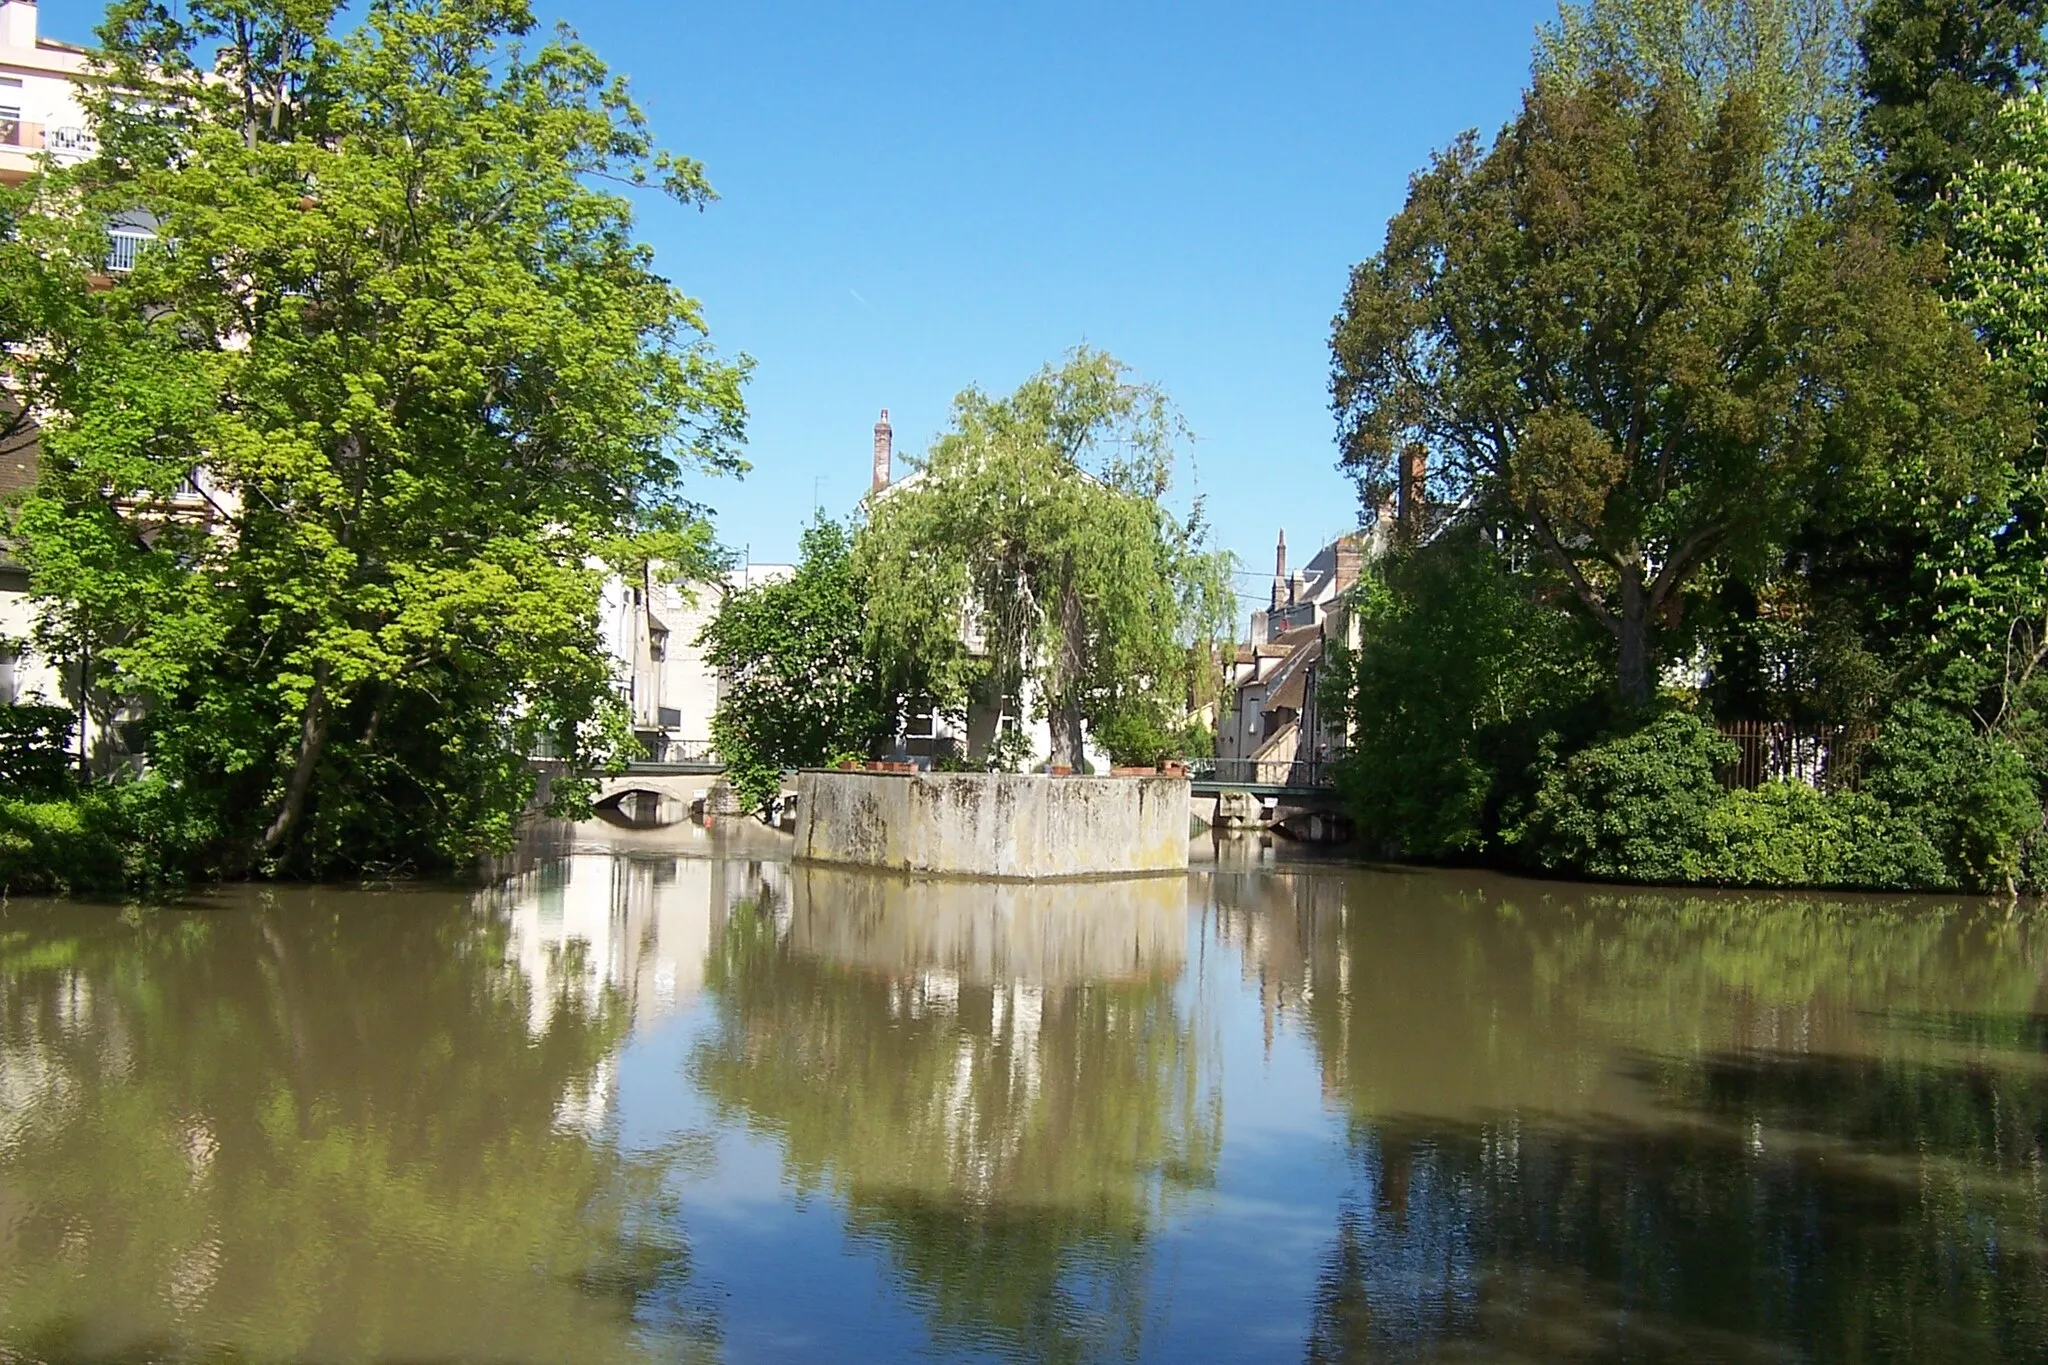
x: 1262, y: 772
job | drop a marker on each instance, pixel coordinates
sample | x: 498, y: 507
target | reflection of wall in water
x: 1048, y: 935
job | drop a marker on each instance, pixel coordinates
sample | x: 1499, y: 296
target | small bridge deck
x: 1303, y: 783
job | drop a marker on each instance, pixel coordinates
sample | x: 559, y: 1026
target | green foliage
x: 1788, y: 834
x: 331, y: 480
x: 35, y: 758
x: 59, y: 846
x: 1795, y: 58
x: 1972, y: 794
x: 1457, y: 665
x: 1934, y: 76
x: 1602, y: 356
x: 799, y: 690
x: 1038, y: 521
x: 1632, y: 808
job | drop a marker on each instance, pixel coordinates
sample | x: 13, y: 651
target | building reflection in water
x: 996, y: 1080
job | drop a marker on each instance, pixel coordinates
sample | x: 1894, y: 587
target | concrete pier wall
x: 993, y: 824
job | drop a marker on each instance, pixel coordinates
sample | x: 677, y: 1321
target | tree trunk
x: 1632, y: 629
x: 312, y: 734
x: 1063, y: 708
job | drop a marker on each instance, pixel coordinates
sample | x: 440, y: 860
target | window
x: 8, y: 660
x: 11, y: 127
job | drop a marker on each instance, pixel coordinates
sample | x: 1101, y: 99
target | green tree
x: 1986, y: 557
x: 1601, y: 356
x: 1459, y: 666
x: 332, y: 477
x: 1795, y: 58
x: 1032, y: 552
x: 1934, y: 75
x: 799, y: 690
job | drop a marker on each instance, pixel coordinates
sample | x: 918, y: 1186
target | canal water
x: 667, y: 1097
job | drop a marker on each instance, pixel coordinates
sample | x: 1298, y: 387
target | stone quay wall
x: 1026, y: 827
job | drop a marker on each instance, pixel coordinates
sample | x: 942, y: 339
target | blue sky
x: 916, y: 197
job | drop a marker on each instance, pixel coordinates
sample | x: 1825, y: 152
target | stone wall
x: 994, y: 824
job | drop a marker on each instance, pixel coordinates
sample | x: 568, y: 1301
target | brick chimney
x: 885, y: 454
x: 1350, y: 562
x: 1409, y: 498
x: 1280, y: 573
x: 18, y: 23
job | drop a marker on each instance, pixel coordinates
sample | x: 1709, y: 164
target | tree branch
x: 1553, y: 547
x: 1676, y: 567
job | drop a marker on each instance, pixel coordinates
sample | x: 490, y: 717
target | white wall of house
x: 650, y: 630
x: 39, y: 108
x: 25, y: 674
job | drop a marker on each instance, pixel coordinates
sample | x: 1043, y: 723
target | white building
x: 650, y: 630
x: 40, y: 116
x: 39, y: 110
x: 1273, y: 716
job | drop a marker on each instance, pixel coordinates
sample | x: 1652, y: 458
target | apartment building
x: 40, y: 114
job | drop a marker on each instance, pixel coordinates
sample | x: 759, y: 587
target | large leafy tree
x: 1991, y: 561
x: 1604, y: 353
x: 799, y: 689
x: 1794, y: 58
x: 1935, y: 74
x: 1033, y: 553
x: 397, y: 333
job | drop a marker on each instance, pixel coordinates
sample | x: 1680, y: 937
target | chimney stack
x: 18, y: 23
x: 1408, y: 506
x: 1280, y: 573
x: 885, y: 454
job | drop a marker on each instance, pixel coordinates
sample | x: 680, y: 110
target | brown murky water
x: 664, y: 1096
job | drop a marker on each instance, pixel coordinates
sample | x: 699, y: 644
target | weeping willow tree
x: 1033, y: 556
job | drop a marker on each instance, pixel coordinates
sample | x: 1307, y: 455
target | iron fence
x: 1824, y: 757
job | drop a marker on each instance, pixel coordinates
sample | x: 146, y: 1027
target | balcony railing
x: 27, y: 137
x: 123, y: 246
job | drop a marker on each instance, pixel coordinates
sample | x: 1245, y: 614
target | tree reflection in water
x: 1592, y: 1126
x: 996, y: 1081
x: 311, y: 1124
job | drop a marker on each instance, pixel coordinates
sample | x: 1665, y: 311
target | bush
x: 1137, y: 735
x: 1633, y: 808
x: 1971, y: 796
x: 134, y: 838
x: 35, y: 757
x: 1788, y: 834
x: 60, y: 847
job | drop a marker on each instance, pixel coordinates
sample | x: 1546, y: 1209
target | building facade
x: 40, y: 113
x: 650, y: 629
x: 1273, y: 718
